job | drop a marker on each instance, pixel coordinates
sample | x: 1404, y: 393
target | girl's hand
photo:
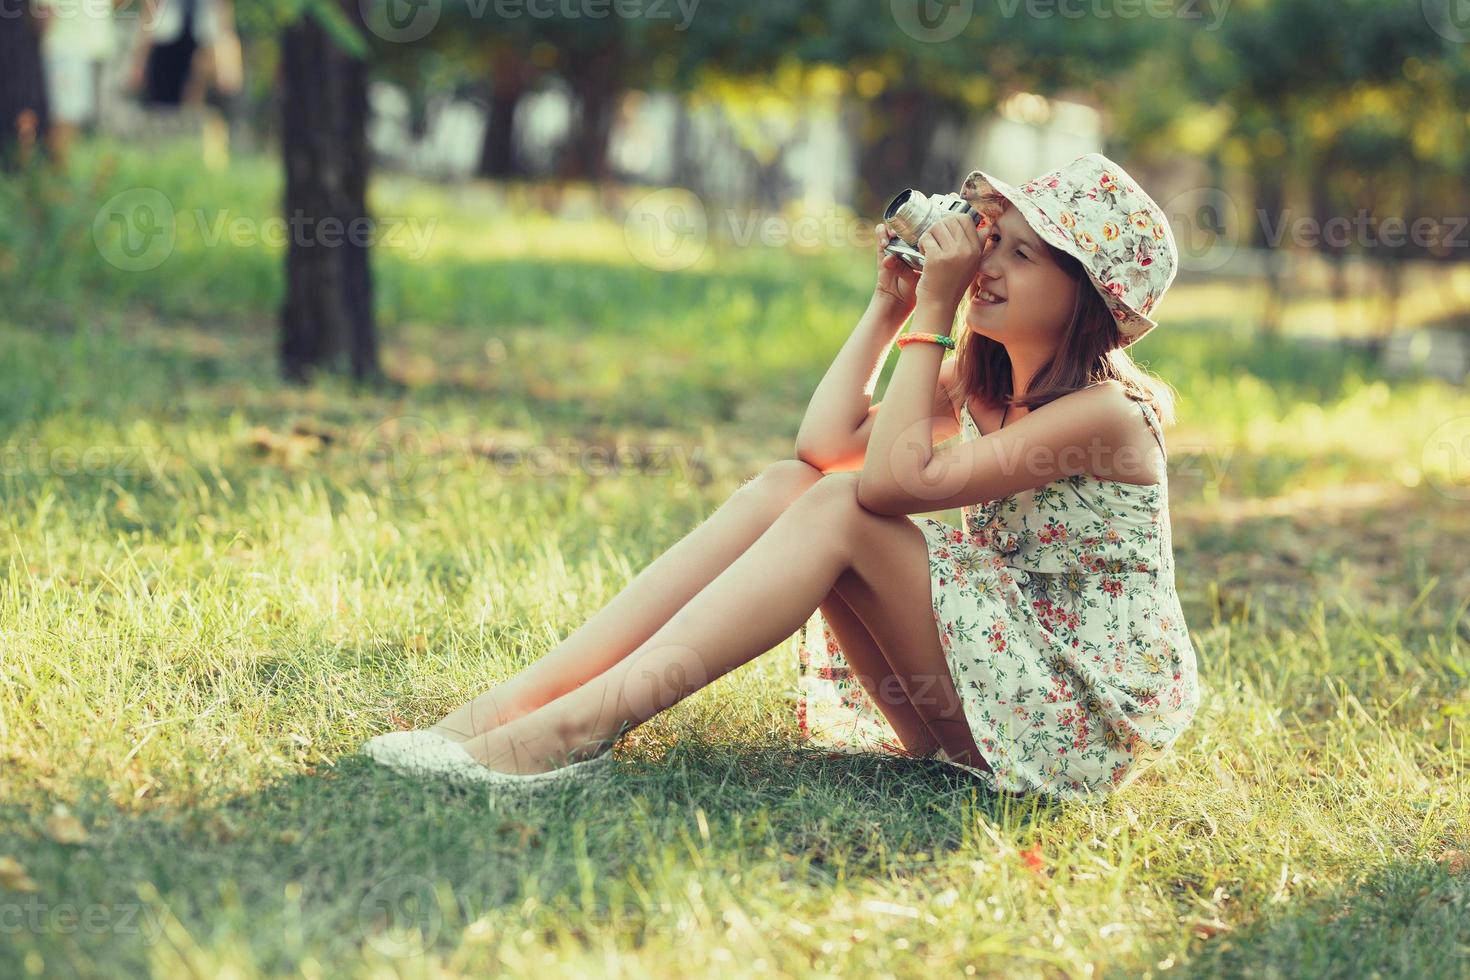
x: 952, y: 251
x: 896, y: 281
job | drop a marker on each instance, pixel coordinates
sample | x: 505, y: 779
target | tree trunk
x: 1408, y: 200
x: 596, y: 79
x: 24, y: 112
x: 895, y: 147
x: 508, y: 84
x: 327, y: 316
x: 1270, y: 202
x: 684, y: 171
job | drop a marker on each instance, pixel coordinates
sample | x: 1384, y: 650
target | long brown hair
x: 1091, y: 352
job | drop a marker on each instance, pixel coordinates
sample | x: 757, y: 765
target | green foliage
x: 263, y: 18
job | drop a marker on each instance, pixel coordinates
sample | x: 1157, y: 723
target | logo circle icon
x: 1206, y: 227
x: 1450, y: 19
x: 400, y: 916
x: 650, y: 681
x: 667, y: 229
x: 1445, y: 460
x: 400, y: 21
x: 932, y: 21
x: 404, y: 456
x: 135, y: 231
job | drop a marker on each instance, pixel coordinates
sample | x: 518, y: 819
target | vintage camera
x: 910, y: 214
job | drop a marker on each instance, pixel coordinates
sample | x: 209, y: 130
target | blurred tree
x: 474, y: 53
x: 511, y: 76
x: 327, y: 317
x: 24, y: 111
x: 910, y: 85
x: 503, y: 51
x: 907, y: 88
x: 1321, y: 96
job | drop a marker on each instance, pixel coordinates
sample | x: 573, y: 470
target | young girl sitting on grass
x: 1039, y: 646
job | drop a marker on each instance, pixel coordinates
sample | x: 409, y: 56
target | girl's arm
x: 901, y: 448
x: 846, y: 452
x: 834, y: 433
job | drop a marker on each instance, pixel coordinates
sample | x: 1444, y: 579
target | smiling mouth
x: 984, y: 297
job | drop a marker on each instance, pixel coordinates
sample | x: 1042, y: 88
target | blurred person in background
x: 186, y: 52
x: 76, y: 41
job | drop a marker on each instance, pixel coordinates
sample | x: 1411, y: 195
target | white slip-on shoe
x: 422, y: 753
x: 388, y: 739
x: 425, y: 753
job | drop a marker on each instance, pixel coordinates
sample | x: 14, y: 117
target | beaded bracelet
x: 942, y: 340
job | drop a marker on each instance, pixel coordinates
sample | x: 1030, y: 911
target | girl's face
x: 1035, y: 296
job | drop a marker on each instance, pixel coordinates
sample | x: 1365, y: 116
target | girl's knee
x: 834, y: 497
x: 834, y: 488
x: 784, y: 480
x: 792, y: 471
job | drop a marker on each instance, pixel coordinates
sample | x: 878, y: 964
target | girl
x: 1040, y: 646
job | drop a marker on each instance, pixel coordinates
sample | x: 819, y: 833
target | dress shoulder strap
x: 1154, y: 426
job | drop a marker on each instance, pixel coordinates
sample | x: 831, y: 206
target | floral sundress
x: 1061, y: 625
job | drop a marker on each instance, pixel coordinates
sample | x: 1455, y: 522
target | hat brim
x: 980, y: 186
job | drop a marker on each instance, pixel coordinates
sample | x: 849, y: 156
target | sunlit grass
x: 213, y: 586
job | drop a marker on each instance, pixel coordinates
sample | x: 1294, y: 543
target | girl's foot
x: 446, y: 730
x: 474, y: 718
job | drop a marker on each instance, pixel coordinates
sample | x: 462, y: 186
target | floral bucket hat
x: 1094, y: 211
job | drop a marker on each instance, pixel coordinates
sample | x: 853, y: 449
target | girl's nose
x: 987, y: 256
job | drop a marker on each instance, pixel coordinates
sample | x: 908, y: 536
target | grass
x: 213, y: 586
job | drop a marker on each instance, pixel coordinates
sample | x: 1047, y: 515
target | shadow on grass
x: 1405, y: 919
x: 1377, y: 546
x: 356, y: 860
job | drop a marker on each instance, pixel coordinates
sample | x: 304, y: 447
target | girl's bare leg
x: 657, y: 593
x: 873, y: 669
x: 762, y: 598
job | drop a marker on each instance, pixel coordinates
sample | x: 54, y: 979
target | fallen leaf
x: 261, y: 439
x: 287, y: 449
x: 1455, y: 862
x: 315, y: 428
x: 64, y: 828
x: 14, y: 877
x: 525, y: 834
x: 223, y: 829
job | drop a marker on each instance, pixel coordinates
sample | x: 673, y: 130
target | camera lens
x: 897, y: 202
x: 908, y: 214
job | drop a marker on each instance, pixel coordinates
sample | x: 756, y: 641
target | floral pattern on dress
x: 1057, y: 612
